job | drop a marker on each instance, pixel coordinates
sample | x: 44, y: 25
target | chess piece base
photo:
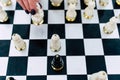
x: 6, y: 18
x: 118, y: 2
x: 87, y: 17
x: 38, y: 23
x: 55, y: 50
x: 105, y: 31
x: 70, y: 19
x: 103, y: 4
x: 21, y: 49
x: 8, y: 3
x: 55, y: 5
x: 57, y: 69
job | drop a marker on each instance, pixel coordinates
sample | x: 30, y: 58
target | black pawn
x: 10, y: 78
x: 57, y: 63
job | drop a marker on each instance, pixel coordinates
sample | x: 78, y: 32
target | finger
x: 26, y: 5
x: 21, y: 4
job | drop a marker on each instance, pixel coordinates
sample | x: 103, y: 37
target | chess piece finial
x: 55, y: 44
x: 72, y: 2
x: 87, y: 1
x: 57, y: 63
x: 10, y: 78
x: 18, y: 42
x: 103, y: 2
x: 3, y: 15
x: 118, y: 2
x: 56, y: 3
x: 37, y: 19
x: 6, y: 2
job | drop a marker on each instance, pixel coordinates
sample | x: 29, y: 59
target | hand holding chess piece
x: 18, y: 42
x: 118, y: 2
x: 56, y: 3
x: 3, y: 15
x: 101, y: 75
x: 6, y: 2
x: 72, y: 2
x: 87, y: 1
x: 111, y: 25
x: 37, y: 19
x: 89, y: 11
x: 103, y: 2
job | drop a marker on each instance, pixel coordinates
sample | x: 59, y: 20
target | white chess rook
x: 18, y: 42
x: 89, y: 11
x: 101, y: 75
x: 103, y: 2
x: 87, y: 1
x: 6, y: 2
x: 37, y: 19
x: 118, y: 2
x: 3, y: 15
x: 55, y: 44
x: 72, y: 2
x: 111, y: 25
x: 56, y: 3
x: 71, y: 13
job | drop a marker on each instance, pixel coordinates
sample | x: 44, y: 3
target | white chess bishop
x: 71, y: 13
x: 37, y: 19
x: 56, y: 3
x: 72, y: 2
x: 3, y: 15
x: 111, y: 25
x: 89, y: 11
x: 18, y: 42
x: 103, y: 2
x: 55, y: 44
x: 118, y: 2
x: 101, y: 75
x: 87, y: 1
x: 6, y: 2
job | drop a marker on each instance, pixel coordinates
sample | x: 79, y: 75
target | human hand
x: 29, y: 5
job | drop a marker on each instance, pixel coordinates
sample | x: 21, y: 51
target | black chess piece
x: 57, y: 63
x: 10, y: 78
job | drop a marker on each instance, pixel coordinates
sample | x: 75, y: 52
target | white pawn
x: 111, y: 25
x: 101, y: 75
x: 72, y: 2
x: 37, y: 19
x: 71, y: 12
x: 103, y: 2
x: 87, y: 1
x: 118, y: 2
x: 6, y: 2
x: 89, y: 11
x: 56, y: 3
x: 18, y: 42
x: 55, y: 44
x: 3, y: 15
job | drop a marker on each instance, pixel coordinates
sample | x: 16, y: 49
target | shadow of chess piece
x: 57, y: 63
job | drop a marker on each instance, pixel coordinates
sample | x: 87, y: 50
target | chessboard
x: 85, y: 48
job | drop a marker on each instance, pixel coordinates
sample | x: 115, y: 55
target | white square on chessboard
x: 3, y: 65
x: 15, y: 52
x: 76, y: 65
x: 17, y: 77
x: 88, y: 76
x: 115, y: 34
x: 93, y: 47
x: 5, y: 31
x: 113, y: 64
x: 93, y: 20
x: 74, y: 31
x: 21, y: 17
x: 62, y: 50
x: 109, y: 6
x: 117, y: 13
x: 37, y: 66
x: 11, y: 7
x: 44, y: 4
x: 78, y: 7
x: 56, y: 17
x: 38, y: 32
x: 57, y: 77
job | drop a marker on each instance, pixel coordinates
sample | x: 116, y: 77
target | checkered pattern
x: 85, y: 48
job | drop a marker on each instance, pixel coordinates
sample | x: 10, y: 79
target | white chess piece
x: 118, y: 2
x: 3, y: 15
x: 18, y: 42
x: 72, y: 2
x: 111, y: 25
x: 71, y: 12
x: 56, y: 3
x: 6, y: 2
x: 89, y: 11
x: 103, y: 2
x: 101, y: 75
x: 87, y: 1
x: 55, y: 44
x: 37, y: 19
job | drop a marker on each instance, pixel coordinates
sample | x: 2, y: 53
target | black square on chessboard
x: 77, y: 77
x: 2, y: 78
x: 118, y: 28
x: 38, y: 48
x: 91, y: 31
x: 22, y: 30
x: 10, y: 18
x: 18, y: 7
x: 95, y: 64
x: 20, y: 66
x: 51, y: 7
x: 78, y: 17
x: 56, y: 29
x: 111, y: 46
x: 50, y: 71
x: 115, y: 5
x: 36, y: 78
x: 4, y: 48
x: 74, y: 47
x: 114, y: 77
x: 105, y: 15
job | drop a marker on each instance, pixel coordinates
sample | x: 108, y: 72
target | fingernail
x: 27, y: 11
x: 33, y: 12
